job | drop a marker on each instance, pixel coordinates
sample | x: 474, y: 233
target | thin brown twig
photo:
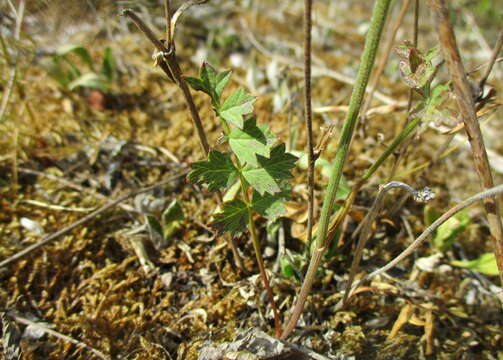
x: 57, y: 334
x: 167, y: 17
x: 169, y: 64
x: 415, y: 36
x: 13, y: 73
x: 74, y: 186
x: 410, y: 98
x: 497, y: 49
x: 50, y: 238
x: 308, y: 115
x: 466, y: 104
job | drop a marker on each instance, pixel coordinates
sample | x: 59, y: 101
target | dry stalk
x: 169, y: 64
x: 466, y: 104
x: 308, y: 114
x: 497, y: 49
x: 13, y: 73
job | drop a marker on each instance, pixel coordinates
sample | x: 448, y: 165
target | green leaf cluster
x: 256, y: 160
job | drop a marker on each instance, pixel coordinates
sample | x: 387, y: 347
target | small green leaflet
x: 233, y: 217
x: 447, y: 233
x: 91, y: 81
x: 251, y: 140
x: 210, y: 82
x: 485, y: 264
x: 172, y: 218
x: 270, y: 206
x: 435, y: 104
x: 272, y: 171
x: 218, y: 171
x: 238, y: 104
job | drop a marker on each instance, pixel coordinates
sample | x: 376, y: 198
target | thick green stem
x: 367, y: 62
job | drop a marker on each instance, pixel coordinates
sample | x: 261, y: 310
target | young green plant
x: 257, y: 162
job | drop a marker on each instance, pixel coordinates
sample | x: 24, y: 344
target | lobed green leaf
x: 270, y: 206
x: 251, y: 140
x: 210, y: 82
x: 218, y: 171
x: 233, y: 217
x: 271, y: 172
x: 238, y: 104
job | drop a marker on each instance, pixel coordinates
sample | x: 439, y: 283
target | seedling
x: 68, y: 75
x: 258, y: 162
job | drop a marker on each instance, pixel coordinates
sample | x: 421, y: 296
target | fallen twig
x: 13, y: 73
x: 54, y: 333
x: 50, y: 238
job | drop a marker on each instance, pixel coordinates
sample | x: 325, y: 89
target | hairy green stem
x: 367, y: 62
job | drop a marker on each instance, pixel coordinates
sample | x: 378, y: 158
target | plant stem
x: 466, y: 104
x: 263, y: 272
x: 384, y: 58
x: 255, y: 241
x: 258, y: 251
x: 367, y: 61
x: 308, y: 115
x: 196, y: 120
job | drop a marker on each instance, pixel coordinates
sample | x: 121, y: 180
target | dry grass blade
x: 13, y: 73
x: 466, y: 104
x: 179, y: 12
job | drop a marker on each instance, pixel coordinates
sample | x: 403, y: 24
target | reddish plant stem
x: 308, y: 114
x: 466, y: 104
